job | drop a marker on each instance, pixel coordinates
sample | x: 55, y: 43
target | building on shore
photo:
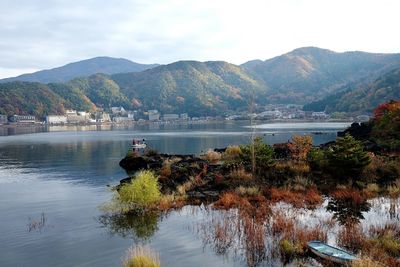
x: 75, y: 117
x: 184, y: 116
x: 23, y: 119
x: 319, y: 115
x: 170, y: 117
x: 56, y: 119
x: 121, y: 120
x: 118, y: 111
x: 153, y: 115
x: 101, y: 117
x: 3, y: 119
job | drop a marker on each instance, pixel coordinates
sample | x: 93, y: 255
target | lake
x: 53, y: 182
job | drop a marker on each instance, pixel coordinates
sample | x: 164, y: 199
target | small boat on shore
x: 136, y: 143
x: 331, y: 253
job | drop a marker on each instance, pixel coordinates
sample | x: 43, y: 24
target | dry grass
x: 232, y: 153
x: 139, y: 256
x: 309, y: 198
x: 352, y: 196
x: 381, y: 242
x: 366, y: 262
x: 212, y: 156
x: 240, y: 175
x: 247, y: 191
x: 292, y: 236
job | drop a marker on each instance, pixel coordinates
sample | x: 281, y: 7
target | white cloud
x: 44, y: 34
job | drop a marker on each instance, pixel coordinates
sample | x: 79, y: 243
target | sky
x: 43, y: 34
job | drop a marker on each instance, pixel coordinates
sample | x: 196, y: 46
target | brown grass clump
x: 229, y: 200
x: 247, y: 191
x: 292, y: 236
x: 212, y: 156
x: 351, y: 196
x: 240, y: 175
x: 309, y: 198
x: 232, y: 153
x: 366, y: 262
x: 351, y: 237
x: 382, y: 242
x: 140, y: 256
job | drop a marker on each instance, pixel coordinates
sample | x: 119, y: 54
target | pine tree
x: 347, y: 159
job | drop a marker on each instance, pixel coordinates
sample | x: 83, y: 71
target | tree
x: 386, y: 125
x: 300, y: 147
x: 260, y: 153
x: 347, y: 159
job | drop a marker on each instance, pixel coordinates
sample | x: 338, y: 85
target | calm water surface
x: 64, y: 172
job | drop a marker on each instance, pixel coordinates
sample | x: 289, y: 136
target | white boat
x: 331, y: 253
x: 136, y: 143
x: 139, y: 146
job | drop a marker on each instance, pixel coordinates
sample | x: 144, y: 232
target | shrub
x: 140, y: 193
x: 347, y: 159
x: 288, y: 249
x: 317, y: 159
x: 151, y: 152
x: 259, y: 154
x: 300, y: 147
x: 240, y: 175
x: 232, y: 153
x: 212, y: 156
x: 247, y: 191
x: 141, y: 257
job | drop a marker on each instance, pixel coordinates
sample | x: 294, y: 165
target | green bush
x: 263, y: 155
x: 140, y: 193
x: 347, y: 159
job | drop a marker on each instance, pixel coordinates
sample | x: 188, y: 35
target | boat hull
x: 330, y: 258
x: 331, y: 253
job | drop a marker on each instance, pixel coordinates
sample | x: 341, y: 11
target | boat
x: 136, y: 143
x: 331, y: 253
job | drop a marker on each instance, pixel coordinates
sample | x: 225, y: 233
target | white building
x: 270, y: 114
x: 170, y: 117
x: 153, y: 115
x: 70, y: 112
x: 118, y: 111
x: 3, y: 119
x: 123, y: 120
x: 319, y: 115
x: 56, y: 119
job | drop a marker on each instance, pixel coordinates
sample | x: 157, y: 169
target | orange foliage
x: 309, y: 198
x: 300, y: 146
x: 386, y: 108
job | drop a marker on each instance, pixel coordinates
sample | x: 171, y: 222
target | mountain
x: 310, y: 73
x: 199, y: 88
x: 39, y: 99
x: 350, y: 81
x: 106, y: 65
x: 361, y: 97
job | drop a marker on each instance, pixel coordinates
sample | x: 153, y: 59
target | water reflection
x: 348, y: 206
x: 139, y: 227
